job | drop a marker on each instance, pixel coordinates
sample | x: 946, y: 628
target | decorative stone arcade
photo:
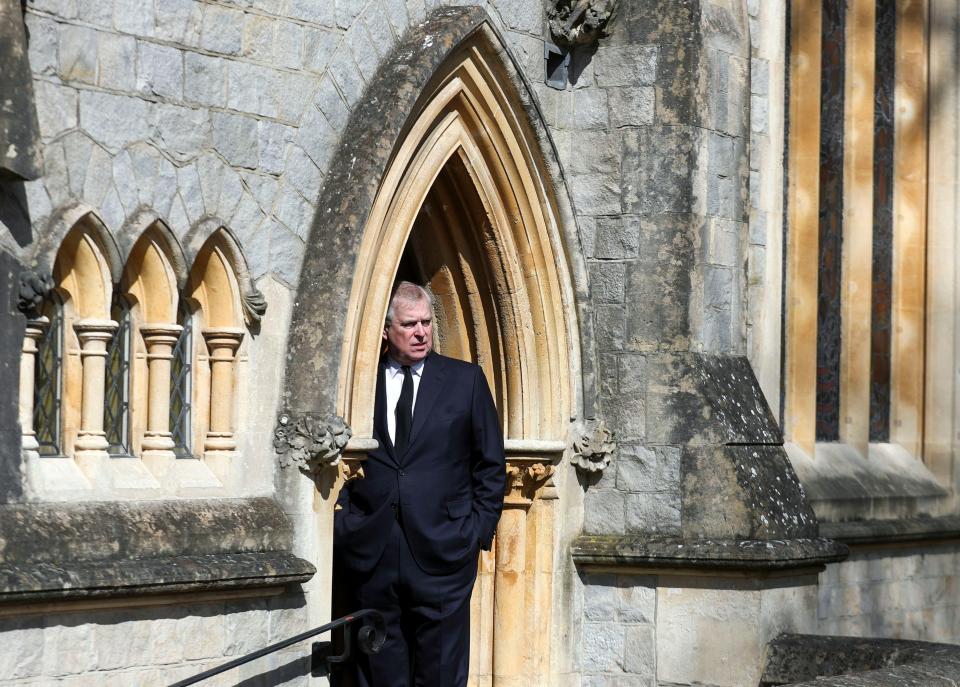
x: 464, y: 206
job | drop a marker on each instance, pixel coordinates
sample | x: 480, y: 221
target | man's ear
x: 384, y: 334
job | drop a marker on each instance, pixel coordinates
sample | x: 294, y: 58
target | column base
x: 219, y: 441
x: 157, y: 441
x: 29, y: 442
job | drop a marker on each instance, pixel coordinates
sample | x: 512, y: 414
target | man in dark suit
x: 407, y: 536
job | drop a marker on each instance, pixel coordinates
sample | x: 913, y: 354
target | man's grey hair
x: 408, y: 292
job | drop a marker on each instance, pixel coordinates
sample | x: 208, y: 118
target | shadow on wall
x: 15, y: 211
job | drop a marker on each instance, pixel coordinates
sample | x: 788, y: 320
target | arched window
x: 214, y: 286
x: 116, y: 399
x: 47, y: 332
x: 181, y: 385
x: 150, y: 281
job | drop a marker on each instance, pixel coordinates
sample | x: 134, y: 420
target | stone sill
x: 744, y: 555
x: 802, y: 660
x: 71, y: 551
x: 901, y: 531
x: 176, y: 574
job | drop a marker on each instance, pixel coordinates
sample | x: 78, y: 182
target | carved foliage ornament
x: 34, y: 287
x: 578, y: 22
x: 308, y: 442
x: 593, y: 450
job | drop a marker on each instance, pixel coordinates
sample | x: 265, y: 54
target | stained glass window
x: 181, y: 371
x: 116, y: 411
x: 47, y: 381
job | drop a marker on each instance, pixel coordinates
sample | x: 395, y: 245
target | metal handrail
x: 370, y: 637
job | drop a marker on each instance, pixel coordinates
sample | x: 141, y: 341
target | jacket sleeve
x: 489, y: 462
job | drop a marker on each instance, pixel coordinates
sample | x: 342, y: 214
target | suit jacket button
x: 403, y: 474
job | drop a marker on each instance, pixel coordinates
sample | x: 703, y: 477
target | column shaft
x: 28, y: 362
x: 94, y: 336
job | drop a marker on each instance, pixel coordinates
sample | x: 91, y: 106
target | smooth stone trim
x: 860, y: 532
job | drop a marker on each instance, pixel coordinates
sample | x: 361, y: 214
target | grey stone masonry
x: 699, y: 454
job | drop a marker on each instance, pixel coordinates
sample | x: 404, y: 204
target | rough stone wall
x: 906, y: 594
x: 153, y: 647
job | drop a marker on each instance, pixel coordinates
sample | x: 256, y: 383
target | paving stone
x: 56, y: 108
x: 604, y: 512
x: 631, y: 106
x: 331, y: 104
x: 603, y: 646
x: 117, y: 56
x: 205, y: 79
x: 131, y: 16
x: 222, y: 30
x: 182, y: 131
x: 595, y: 194
x: 43, y: 44
x: 179, y: 21
x: 259, y: 37
x: 616, y: 237
x: 235, y: 137
x: 77, y: 61
x: 653, y: 512
x: 159, y: 70
x: 600, y: 597
x: 114, y: 120
x: 289, y: 45
x: 309, y: 10
x: 273, y: 141
x: 607, y: 282
x: 626, y: 65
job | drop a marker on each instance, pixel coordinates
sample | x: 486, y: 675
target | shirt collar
x: 393, y: 367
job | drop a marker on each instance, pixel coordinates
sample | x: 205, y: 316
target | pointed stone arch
x: 448, y: 126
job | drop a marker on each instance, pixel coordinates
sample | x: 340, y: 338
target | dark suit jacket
x: 448, y: 484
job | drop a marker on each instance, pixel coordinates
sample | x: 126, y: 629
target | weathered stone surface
x: 77, y: 62
x: 11, y: 341
x: 204, y: 79
x: 19, y: 131
x: 802, y: 659
x: 643, y: 551
x: 222, y: 30
x: 117, y: 61
x: 94, y: 549
x: 235, y: 137
x: 114, y: 120
x: 159, y: 70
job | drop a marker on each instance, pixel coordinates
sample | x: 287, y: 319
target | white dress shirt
x: 394, y: 383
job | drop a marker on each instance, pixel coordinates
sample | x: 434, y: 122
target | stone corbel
x: 312, y: 444
x: 530, y: 468
x: 593, y: 449
x: 34, y: 287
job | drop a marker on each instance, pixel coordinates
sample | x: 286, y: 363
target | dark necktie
x: 404, y: 412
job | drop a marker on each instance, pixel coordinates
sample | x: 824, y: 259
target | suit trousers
x: 427, y: 620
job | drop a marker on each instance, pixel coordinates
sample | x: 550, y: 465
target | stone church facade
x: 704, y: 250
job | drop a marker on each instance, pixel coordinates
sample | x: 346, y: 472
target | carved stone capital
x: 254, y: 306
x: 524, y: 480
x: 593, y: 449
x: 579, y: 22
x: 33, y: 289
x: 310, y: 443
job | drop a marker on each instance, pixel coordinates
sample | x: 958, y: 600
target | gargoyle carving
x: 34, y: 287
x: 578, y: 22
x: 593, y: 450
x: 310, y: 443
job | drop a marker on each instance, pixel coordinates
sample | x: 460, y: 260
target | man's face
x: 410, y: 336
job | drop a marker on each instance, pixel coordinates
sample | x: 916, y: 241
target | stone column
x: 222, y: 345
x: 160, y: 340
x: 28, y: 362
x: 512, y: 654
x: 94, y: 335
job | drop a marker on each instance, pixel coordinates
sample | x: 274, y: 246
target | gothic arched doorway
x: 464, y: 206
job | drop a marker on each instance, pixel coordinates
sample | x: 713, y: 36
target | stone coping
x: 811, y: 660
x: 748, y: 555
x: 905, y: 530
x: 214, y: 572
x: 78, y: 550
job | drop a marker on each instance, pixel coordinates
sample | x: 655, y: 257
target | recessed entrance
x: 464, y: 209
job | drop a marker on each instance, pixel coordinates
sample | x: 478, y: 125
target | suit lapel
x: 380, y: 413
x: 429, y: 390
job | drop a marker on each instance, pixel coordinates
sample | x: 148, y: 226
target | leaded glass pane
x: 47, y: 381
x: 117, y: 391
x: 181, y: 371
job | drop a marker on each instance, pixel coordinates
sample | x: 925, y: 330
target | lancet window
x: 116, y: 401
x: 181, y: 387
x: 46, y: 336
